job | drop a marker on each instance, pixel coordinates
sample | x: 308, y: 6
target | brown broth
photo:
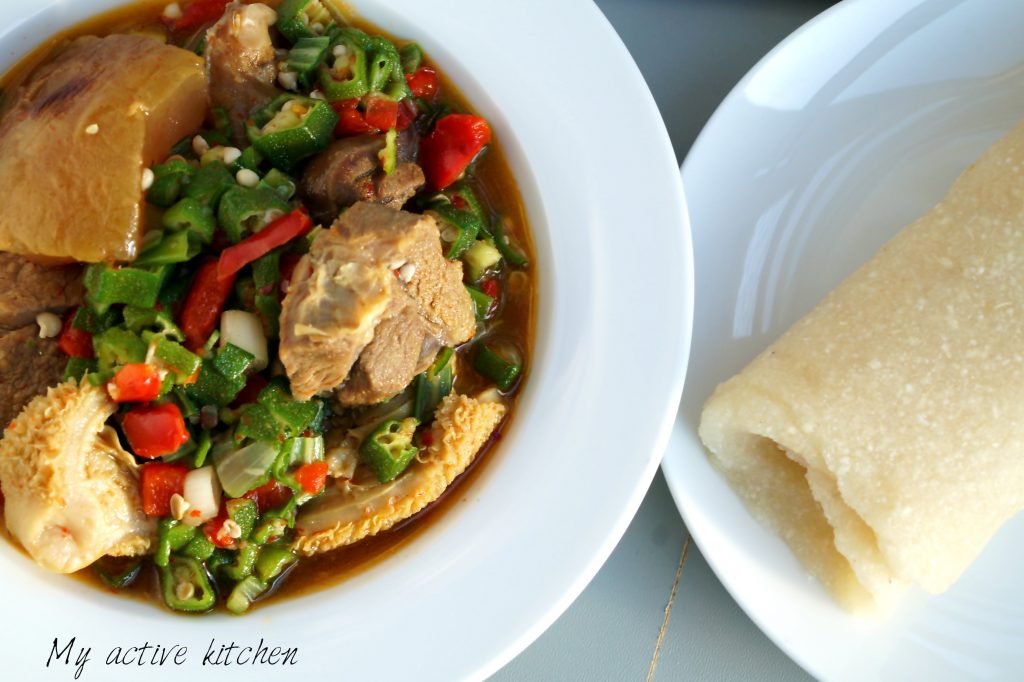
x: 514, y: 317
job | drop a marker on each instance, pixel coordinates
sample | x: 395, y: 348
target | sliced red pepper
x: 155, y: 430
x: 423, y: 83
x: 75, y: 342
x: 350, y: 119
x: 135, y: 382
x: 158, y: 484
x: 204, y: 304
x: 312, y: 477
x: 277, y: 233
x: 196, y: 14
x: 270, y: 495
x: 381, y: 113
x: 453, y: 143
x: 215, y: 532
x: 490, y: 287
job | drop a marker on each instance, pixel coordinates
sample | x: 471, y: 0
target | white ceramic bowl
x: 850, y: 129
x: 614, y: 272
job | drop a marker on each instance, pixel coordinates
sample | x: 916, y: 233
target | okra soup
x: 269, y: 299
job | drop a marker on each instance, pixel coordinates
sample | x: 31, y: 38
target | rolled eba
x: 881, y: 435
x: 291, y: 128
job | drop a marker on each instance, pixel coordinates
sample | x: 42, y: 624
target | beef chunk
x: 28, y: 366
x: 349, y: 171
x: 426, y: 275
x: 393, y: 259
x: 27, y: 289
x: 333, y: 304
x: 240, y: 63
x: 403, y: 183
x: 404, y: 345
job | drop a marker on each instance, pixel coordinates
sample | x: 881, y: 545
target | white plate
x: 613, y: 257
x: 852, y: 127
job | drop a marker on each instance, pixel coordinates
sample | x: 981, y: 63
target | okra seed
x: 147, y: 178
x: 247, y: 178
x: 184, y: 591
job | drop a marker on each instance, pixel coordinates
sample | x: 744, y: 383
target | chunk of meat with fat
x: 241, y: 64
x: 329, y: 314
x: 348, y: 512
x: 105, y: 108
x: 398, y: 239
x: 325, y: 325
x: 71, y: 492
x: 28, y: 366
x: 349, y: 171
x: 404, y: 345
x: 30, y: 288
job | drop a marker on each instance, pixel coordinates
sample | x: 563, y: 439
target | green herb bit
x: 433, y: 385
x: 169, y: 180
x: 273, y: 561
x: 411, y: 56
x: 246, y: 210
x: 481, y: 303
x: 297, y: 416
x: 193, y: 216
x: 118, y: 346
x: 209, y: 183
x: 77, y: 368
x: 492, y: 365
x: 107, y: 285
x: 171, y: 536
x: 256, y: 423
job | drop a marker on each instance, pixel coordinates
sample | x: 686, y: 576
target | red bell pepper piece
x: 350, y: 119
x: 155, y: 430
x: 381, y: 113
x: 204, y: 304
x: 455, y: 141
x: 423, y: 83
x: 159, y: 482
x: 277, y: 233
x: 198, y: 13
x: 75, y: 342
x: 270, y: 495
x: 135, y: 382
x: 312, y: 477
x: 215, y: 532
x: 490, y: 287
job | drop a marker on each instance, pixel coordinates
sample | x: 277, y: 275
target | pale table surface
x: 655, y: 611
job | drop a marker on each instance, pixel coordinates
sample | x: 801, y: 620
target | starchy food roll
x: 882, y: 436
